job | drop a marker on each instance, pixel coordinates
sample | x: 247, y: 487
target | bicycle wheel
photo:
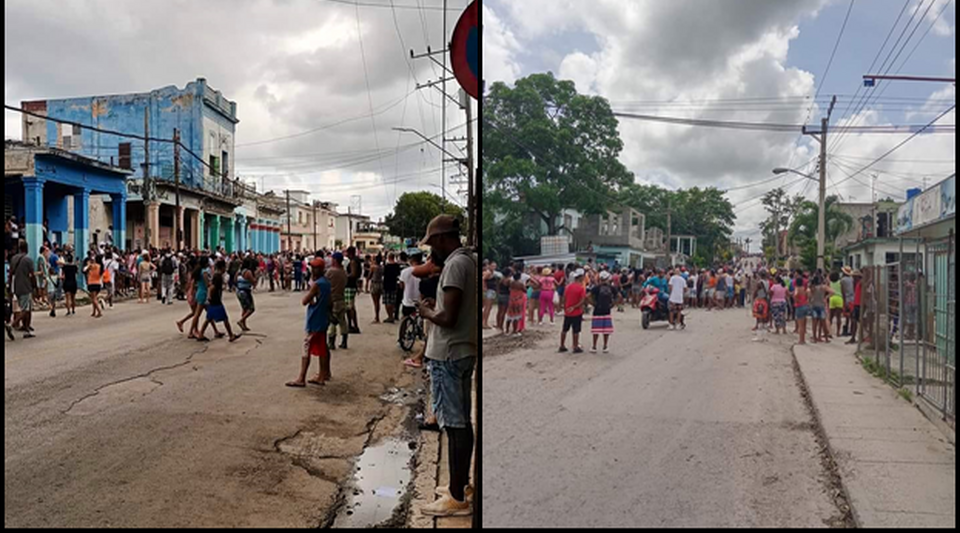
x: 408, y: 334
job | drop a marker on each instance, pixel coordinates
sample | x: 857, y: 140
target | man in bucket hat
x: 452, y: 351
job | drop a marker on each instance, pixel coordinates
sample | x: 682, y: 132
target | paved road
x: 123, y: 422
x: 694, y: 428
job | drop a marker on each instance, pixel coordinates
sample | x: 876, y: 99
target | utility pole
x: 822, y: 215
x: 443, y: 120
x: 147, y: 197
x: 176, y: 179
x: 669, y: 256
x: 289, y: 216
x: 822, y: 212
x: 471, y: 192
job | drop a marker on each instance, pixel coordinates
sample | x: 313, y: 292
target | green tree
x: 803, y: 230
x: 547, y: 148
x: 703, y: 213
x: 781, y: 210
x: 414, y: 210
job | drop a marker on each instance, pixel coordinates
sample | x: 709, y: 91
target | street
x: 122, y: 421
x: 693, y: 428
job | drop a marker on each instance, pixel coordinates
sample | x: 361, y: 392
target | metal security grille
x: 938, y: 370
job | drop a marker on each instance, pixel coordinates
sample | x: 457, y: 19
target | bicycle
x: 411, y: 329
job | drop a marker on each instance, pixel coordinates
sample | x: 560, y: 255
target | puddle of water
x: 380, y: 479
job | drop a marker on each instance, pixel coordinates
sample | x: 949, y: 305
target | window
x: 226, y: 163
x: 214, y: 165
x: 125, y: 156
x: 300, y: 218
x: 883, y: 224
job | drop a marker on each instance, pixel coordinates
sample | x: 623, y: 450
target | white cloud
x: 688, y: 51
x: 499, y: 50
x: 291, y: 66
x: 580, y: 68
x: 941, y: 26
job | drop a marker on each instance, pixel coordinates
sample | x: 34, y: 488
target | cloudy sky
x: 746, y: 60
x: 294, y: 67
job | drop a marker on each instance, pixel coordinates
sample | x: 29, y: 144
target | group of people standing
x: 826, y: 300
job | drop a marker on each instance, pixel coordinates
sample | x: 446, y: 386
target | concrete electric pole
x: 177, y: 217
x: 822, y: 214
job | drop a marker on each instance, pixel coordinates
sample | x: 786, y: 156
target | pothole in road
x: 113, y: 395
x: 401, y: 397
x: 380, y: 481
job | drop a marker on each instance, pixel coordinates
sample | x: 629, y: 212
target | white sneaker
x: 447, y: 506
x: 606, y: 350
x: 593, y: 350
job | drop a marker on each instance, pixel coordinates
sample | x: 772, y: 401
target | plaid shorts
x: 349, y: 295
x: 389, y: 297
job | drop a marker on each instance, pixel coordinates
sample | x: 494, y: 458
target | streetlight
x: 821, y: 215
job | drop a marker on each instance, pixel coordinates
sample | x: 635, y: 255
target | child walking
x: 318, y: 304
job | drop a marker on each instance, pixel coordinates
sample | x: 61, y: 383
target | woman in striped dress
x: 602, y: 323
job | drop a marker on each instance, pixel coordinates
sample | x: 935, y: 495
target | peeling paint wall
x: 167, y: 109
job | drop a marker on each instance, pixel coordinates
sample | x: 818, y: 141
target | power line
x: 353, y: 160
x: 774, y: 127
x: 866, y: 100
x: 903, y: 142
x: 110, y: 132
x: 877, y: 56
x: 389, y: 106
x: 907, y: 58
x: 867, y: 158
x: 359, y: 4
x: 834, y: 52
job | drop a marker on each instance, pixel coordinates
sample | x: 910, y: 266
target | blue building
x: 209, y: 192
x: 40, y: 181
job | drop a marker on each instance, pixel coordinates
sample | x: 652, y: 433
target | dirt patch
x: 832, y: 482
x: 504, y: 344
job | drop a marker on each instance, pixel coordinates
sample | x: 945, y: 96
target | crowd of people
x: 527, y: 295
x: 441, y: 289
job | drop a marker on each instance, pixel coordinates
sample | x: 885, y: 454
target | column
x: 33, y: 221
x: 228, y: 234
x: 179, y: 240
x: 55, y: 211
x: 261, y: 247
x: 81, y: 230
x: 276, y: 237
x: 153, y: 223
x: 243, y: 233
x: 119, y: 204
x: 201, y: 230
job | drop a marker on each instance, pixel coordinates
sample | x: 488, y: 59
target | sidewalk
x: 896, y: 467
x: 433, y: 470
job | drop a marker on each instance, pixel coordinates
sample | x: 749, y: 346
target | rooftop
x: 20, y: 146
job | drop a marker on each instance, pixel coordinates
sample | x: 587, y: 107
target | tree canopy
x: 704, y: 213
x: 414, y: 210
x: 547, y: 148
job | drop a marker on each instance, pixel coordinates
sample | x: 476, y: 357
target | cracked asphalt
x: 122, y: 422
x: 695, y: 428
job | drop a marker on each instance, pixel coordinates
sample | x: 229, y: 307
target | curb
x: 840, y: 495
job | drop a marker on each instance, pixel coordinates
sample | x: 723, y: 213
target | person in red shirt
x: 855, y: 319
x: 574, y: 300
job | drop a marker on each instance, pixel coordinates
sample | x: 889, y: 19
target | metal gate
x: 938, y: 371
